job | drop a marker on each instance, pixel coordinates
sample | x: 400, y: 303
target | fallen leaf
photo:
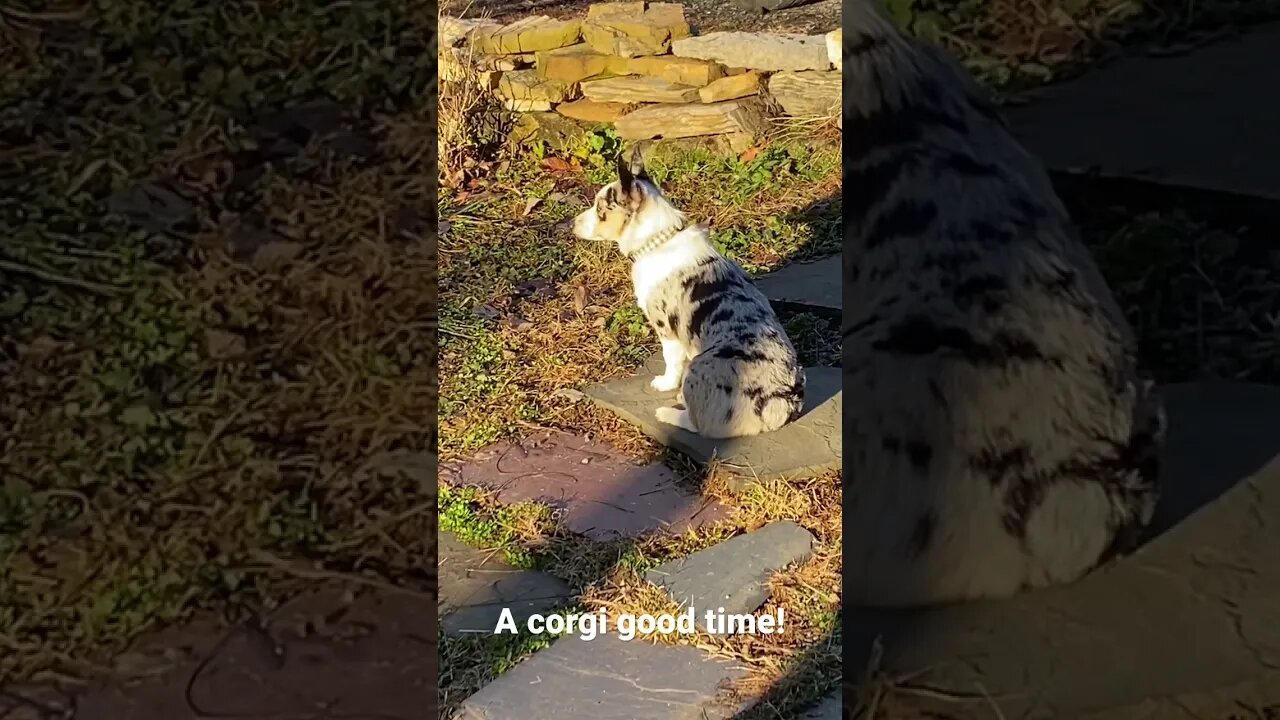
x: 223, y: 345
x: 486, y: 312
x: 529, y: 205
x: 569, y: 394
x: 534, y: 288
x: 517, y: 323
x: 555, y: 164
x: 579, y: 299
x: 750, y: 154
x: 565, y: 198
x: 276, y: 254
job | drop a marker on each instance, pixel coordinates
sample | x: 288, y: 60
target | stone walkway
x: 475, y: 587
x: 1189, y: 626
x: 1203, y: 119
x: 337, y: 651
x: 602, y: 495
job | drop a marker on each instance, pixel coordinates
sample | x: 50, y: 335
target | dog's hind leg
x: 677, y: 417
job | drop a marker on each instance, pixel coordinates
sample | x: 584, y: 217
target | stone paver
x: 733, y: 575
x: 609, y: 679
x: 601, y: 494
x: 814, y: 284
x: 1187, y: 627
x: 828, y: 709
x: 369, y: 656
x: 1203, y: 119
x: 476, y: 585
x: 808, y: 446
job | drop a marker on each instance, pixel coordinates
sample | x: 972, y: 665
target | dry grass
x: 192, y: 436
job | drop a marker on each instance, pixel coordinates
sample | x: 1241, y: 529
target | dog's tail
x: 784, y: 406
x: 1136, y: 487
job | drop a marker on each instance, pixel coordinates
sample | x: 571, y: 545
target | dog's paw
x: 662, y: 383
x: 678, y: 417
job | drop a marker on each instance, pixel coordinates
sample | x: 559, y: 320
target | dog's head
x: 628, y: 211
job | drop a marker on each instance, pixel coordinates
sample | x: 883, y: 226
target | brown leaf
x: 223, y: 345
x: 750, y: 154
x: 276, y: 254
x: 555, y: 164
x: 529, y: 205
x: 579, y: 299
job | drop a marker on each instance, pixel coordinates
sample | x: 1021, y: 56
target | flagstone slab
x: 733, y: 576
x: 362, y: 654
x: 1205, y: 119
x: 600, y: 493
x: 1186, y: 627
x: 476, y: 585
x: 610, y: 679
x: 814, y: 284
x: 807, y: 447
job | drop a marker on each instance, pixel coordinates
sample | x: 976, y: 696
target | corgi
x: 727, y: 357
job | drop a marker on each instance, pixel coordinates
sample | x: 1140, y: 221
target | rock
x: 555, y: 130
x: 810, y: 284
x: 731, y: 88
x: 835, y: 47
x: 809, y: 446
x: 526, y: 85
x: 578, y: 62
x: 678, y: 121
x: 597, y: 492
x: 591, y: 111
x: 596, y: 10
x: 685, y: 71
x: 504, y: 62
x: 475, y: 585
x: 526, y: 35
x: 728, y: 144
x: 807, y: 94
x: 734, y: 574
x: 638, y: 90
x: 454, y: 32
x: 1187, y: 626
x: 610, y: 679
x: 759, y: 51
x: 632, y: 30
x: 527, y: 106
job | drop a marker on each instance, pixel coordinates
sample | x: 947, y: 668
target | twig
x: 46, y: 275
x: 277, y: 563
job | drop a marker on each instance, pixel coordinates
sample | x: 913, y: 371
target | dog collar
x: 656, y: 241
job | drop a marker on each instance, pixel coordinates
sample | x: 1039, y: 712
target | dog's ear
x: 637, y: 163
x: 625, y: 176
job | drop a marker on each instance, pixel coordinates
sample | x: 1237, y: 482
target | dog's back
x: 743, y: 376
x: 999, y: 436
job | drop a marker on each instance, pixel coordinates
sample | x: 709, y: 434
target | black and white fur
x: 998, y: 436
x: 726, y: 354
